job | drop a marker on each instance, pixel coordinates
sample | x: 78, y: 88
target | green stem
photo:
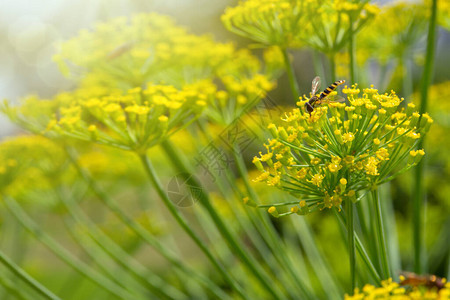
x: 182, y: 222
x: 351, y: 52
x: 99, y: 259
x: 351, y: 243
x: 332, y: 61
x: 39, y: 288
x: 62, y: 253
x: 381, y: 238
x: 142, y: 232
x: 153, y: 282
x: 360, y: 248
x: 224, y: 230
x: 418, y: 193
x: 293, y: 83
x: 11, y: 290
x: 272, y: 239
x: 318, y: 64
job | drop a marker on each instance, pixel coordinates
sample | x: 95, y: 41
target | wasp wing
x: 338, y: 98
x: 315, y: 85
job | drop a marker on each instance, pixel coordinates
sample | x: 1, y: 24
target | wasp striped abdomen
x: 331, y: 88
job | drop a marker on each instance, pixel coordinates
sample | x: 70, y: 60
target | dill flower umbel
x: 292, y: 24
x: 37, y: 161
x: 392, y: 290
x: 397, y: 40
x: 135, y: 120
x: 342, y: 149
x: 123, y: 54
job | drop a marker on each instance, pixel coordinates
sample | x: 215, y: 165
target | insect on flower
x: 317, y: 100
x: 430, y: 281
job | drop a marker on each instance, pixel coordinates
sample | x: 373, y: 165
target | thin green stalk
x: 352, y: 51
x: 418, y: 190
x: 332, y: 61
x: 140, y: 231
x: 380, y: 236
x: 318, y: 64
x: 62, y: 253
x: 291, y: 75
x: 391, y: 234
x: 92, y: 250
x: 272, y: 239
x: 234, y: 245
x: 351, y: 243
x: 360, y: 248
x: 318, y: 262
x: 153, y: 282
x: 19, y: 272
x: 12, y: 290
x: 182, y: 222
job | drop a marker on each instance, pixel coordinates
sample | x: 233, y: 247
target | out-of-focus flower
x: 147, y: 46
x: 36, y: 160
x: 438, y: 147
x: 269, y: 22
x: 322, y: 25
x: 135, y: 120
x: 150, y: 49
x: 406, y: 27
x: 392, y: 290
x: 341, y: 149
x: 443, y: 14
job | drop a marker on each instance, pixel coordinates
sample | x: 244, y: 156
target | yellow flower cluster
x: 135, y: 120
x: 443, y: 14
x: 393, y: 291
x: 32, y: 158
x: 140, y: 47
x: 121, y: 54
x: 341, y: 149
x: 269, y: 22
x: 323, y: 25
x: 386, y: 42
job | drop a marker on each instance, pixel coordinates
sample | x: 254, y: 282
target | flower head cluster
x: 443, y: 14
x: 341, y: 149
x: 35, y: 159
x: 268, y: 22
x: 143, y: 47
x: 398, y: 39
x: 135, y: 120
x: 392, y: 290
x: 324, y: 25
x: 121, y: 54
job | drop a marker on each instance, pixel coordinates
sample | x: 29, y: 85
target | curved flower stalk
x: 393, y: 290
x: 341, y: 149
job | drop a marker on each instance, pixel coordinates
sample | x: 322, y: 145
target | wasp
x: 430, y: 281
x: 317, y: 100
